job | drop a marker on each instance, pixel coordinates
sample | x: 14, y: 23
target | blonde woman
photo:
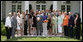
x: 54, y: 24
x: 18, y: 23
x: 60, y: 22
x: 49, y: 24
x: 22, y: 22
x: 8, y: 26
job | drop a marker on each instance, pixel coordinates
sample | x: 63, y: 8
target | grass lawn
x: 3, y: 38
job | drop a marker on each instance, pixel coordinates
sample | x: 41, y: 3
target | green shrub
x: 3, y: 30
x: 74, y: 30
x: 81, y: 28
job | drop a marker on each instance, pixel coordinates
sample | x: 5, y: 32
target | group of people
x: 42, y: 23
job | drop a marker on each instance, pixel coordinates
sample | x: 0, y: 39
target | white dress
x: 60, y: 21
x: 18, y: 23
x: 22, y: 20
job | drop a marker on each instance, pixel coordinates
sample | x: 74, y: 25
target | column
x: 81, y: 10
x: 1, y: 10
x: 8, y: 7
x: 26, y: 5
x: 55, y: 5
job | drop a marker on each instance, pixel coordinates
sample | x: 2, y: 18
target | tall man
x: 14, y: 24
x: 26, y: 23
x: 71, y: 24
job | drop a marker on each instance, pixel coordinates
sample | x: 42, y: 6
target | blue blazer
x: 71, y: 21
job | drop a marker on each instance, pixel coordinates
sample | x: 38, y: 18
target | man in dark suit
x: 71, y: 24
x: 14, y: 24
x: 26, y: 23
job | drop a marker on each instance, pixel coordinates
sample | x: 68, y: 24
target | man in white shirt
x: 8, y: 26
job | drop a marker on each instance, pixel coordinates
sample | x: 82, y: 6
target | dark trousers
x: 66, y: 30
x: 8, y: 32
x: 25, y: 28
x: 71, y: 32
x: 77, y: 32
x: 13, y: 32
x: 39, y: 29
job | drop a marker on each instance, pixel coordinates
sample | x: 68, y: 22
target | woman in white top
x: 8, y: 25
x: 22, y: 22
x: 18, y: 23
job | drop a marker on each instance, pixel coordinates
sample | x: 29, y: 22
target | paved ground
x: 58, y: 35
x: 39, y: 35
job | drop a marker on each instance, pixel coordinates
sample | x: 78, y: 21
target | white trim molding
x: 26, y: 5
x: 55, y: 5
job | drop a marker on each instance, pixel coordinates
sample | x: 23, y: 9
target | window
x: 43, y: 7
x: 38, y: 7
x: 63, y: 8
x: 19, y: 7
x: 13, y: 8
x: 16, y: 5
x: 68, y: 8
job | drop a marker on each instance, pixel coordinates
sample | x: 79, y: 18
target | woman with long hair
x: 34, y: 23
x: 22, y: 22
x: 18, y: 23
x: 49, y: 24
x: 77, y: 26
x: 60, y: 22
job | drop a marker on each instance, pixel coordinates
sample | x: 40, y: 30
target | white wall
x: 75, y: 7
x: 8, y: 7
x: 55, y: 5
x: 26, y: 5
x: 81, y: 10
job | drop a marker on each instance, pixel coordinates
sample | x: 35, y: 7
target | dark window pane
x: 38, y: 7
x: 43, y: 7
x: 13, y: 8
x: 63, y: 7
x: 68, y: 8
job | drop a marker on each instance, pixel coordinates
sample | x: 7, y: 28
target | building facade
x: 11, y: 6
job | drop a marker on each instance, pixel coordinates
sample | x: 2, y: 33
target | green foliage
x: 3, y: 30
x: 81, y: 28
x: 74, y: 31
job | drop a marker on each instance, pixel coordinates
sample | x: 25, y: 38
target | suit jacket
x: 71, y: 21
x: 14, y: 22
